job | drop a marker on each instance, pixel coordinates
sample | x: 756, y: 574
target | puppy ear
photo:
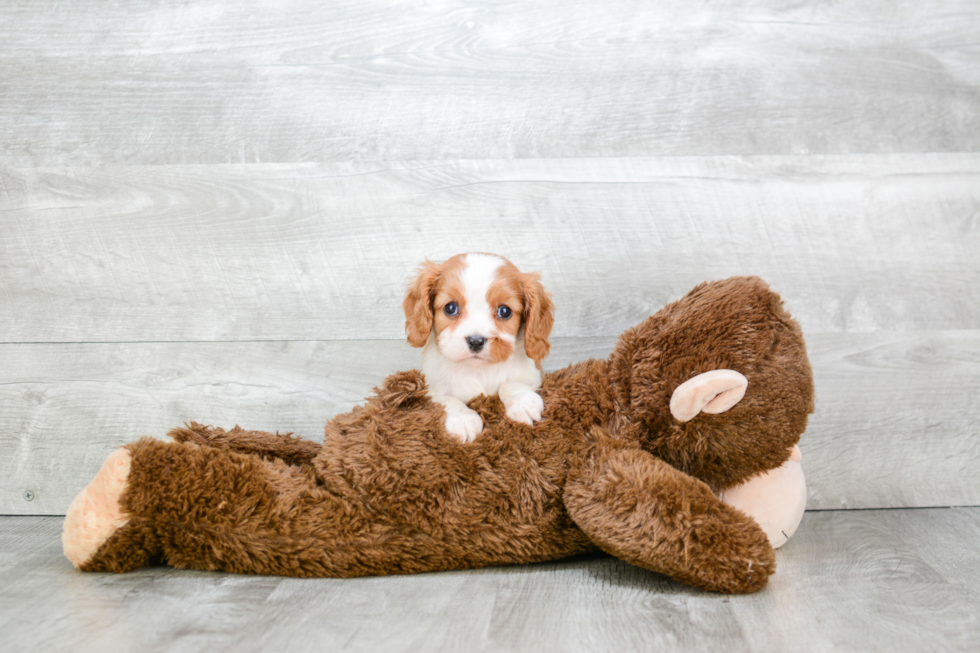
x: 418, y: 304
x: 539, y: 316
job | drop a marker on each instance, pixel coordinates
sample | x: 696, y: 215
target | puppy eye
x: 504, y: 312
x: 450, y: 309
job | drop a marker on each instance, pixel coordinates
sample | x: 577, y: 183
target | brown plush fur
x: 390, y: 492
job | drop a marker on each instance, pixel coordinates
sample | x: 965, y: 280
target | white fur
x: 453, y: 384
x: 523, y: 404
x: 455, y: 374
x: 471, y: 378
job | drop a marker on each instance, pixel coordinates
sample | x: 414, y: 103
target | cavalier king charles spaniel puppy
x: 484, y: 327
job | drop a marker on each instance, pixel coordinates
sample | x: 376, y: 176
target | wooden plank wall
x: 210, y: 212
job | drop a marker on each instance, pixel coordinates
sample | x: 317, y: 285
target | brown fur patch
x: 539, y: 316
x: 434, y: 286
x: 506, y: 290
x: 450, y: 288
x: 417, y: 304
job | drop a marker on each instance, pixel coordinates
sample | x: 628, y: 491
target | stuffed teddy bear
x: 705, y: 399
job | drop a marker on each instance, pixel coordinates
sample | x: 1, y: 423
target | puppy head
x: 478, y: 304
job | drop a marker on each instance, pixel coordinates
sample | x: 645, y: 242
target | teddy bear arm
x: 640, y: 509
x: 270, y: 446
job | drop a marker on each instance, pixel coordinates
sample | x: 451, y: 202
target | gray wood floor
x: 879, y: 580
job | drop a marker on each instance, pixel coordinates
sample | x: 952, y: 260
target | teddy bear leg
x: 207, y: 508
x: 775, y: 500
x: 640, y: 509
x: 96, y: 514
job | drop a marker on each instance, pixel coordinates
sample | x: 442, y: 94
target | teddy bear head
x: 737, y: 324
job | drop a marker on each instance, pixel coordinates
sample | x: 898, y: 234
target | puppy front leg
x: 523, y: 404
x: 462, y: 422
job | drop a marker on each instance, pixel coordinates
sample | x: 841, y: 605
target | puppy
x: 484, y: 327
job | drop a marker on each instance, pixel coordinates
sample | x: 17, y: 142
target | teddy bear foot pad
x: 95, y: 514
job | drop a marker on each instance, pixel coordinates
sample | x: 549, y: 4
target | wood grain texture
x: 848, y: 581
x: 896, y: 420
x: 189, y: 82
x: 209, y: 210
x: 323, y: 252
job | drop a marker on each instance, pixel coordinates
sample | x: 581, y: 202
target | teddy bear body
x: 389, y: 491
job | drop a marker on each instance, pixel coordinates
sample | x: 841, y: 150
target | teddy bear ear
x: 712, y: 392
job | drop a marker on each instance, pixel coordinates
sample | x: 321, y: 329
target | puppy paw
x: 95, y: 513
x: 465, y: 424
x: 526, y: 408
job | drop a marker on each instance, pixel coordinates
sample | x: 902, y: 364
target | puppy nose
x: 475, y: 343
